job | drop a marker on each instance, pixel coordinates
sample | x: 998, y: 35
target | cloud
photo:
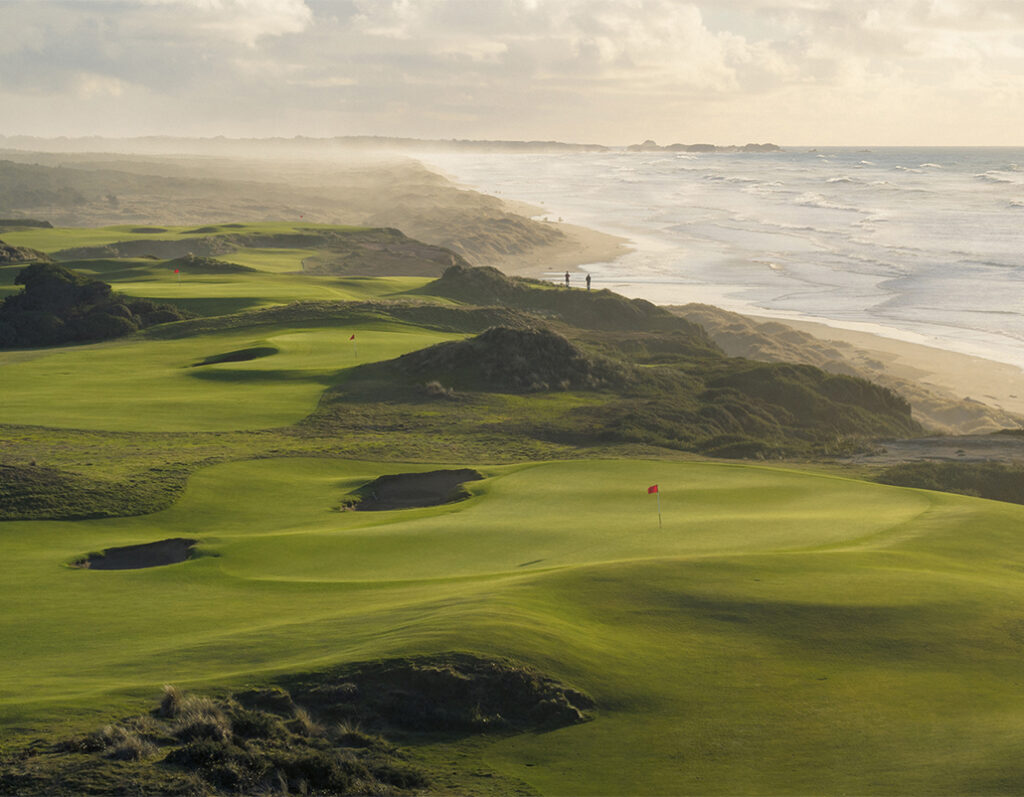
x: 615, y: 70
x: 244, y: 21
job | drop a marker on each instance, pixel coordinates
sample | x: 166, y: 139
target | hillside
x: 936, y: 409
x: 653, y: 378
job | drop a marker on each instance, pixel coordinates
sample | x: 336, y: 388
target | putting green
x: 783, y: 631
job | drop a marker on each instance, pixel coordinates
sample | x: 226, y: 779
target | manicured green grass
x: 136, y: 384
x: 784, y: 632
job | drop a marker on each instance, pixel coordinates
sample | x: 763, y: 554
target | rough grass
x: 260, y: 740
x: 995, y: 480
x: 33, y: 492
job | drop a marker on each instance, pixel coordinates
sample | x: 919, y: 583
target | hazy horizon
x: 614, y: 72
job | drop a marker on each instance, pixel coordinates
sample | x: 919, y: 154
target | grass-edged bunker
x: 136, y: 557
x: 408, y: 490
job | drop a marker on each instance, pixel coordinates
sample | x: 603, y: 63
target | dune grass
x: 57, y: 238
x: 773, y: 637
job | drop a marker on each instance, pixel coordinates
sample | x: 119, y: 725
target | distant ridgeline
x: 650, y: 146
x: 16, y: 223
x: 59, y: 306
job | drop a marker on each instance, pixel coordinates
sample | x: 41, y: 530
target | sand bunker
x: 136, y: 557
x: 239, y: 356
x: 407, y: 490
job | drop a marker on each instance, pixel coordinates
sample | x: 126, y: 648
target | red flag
x: 353, y: 337
x: 175, y: 271
x: 652, y: 489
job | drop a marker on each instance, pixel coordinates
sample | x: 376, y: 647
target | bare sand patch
x: 408, y: 490
x: 136, y: 557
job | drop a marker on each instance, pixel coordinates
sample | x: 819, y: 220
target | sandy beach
x: 579, y: 247
x: 993, y: 383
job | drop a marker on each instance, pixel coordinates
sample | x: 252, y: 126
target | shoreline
x: 968, y: 376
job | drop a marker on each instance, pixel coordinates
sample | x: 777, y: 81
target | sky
x: 822, y: 72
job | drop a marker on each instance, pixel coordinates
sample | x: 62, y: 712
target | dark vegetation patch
x: 239, y: 356
x: 137, y: 557
x: 148, y: 230
x: 505, y: 359
x: 32, y: 492
x: 194, y: 264
x: 11, y: 255
x: 995, y: 480
x: 407, y: 490
x: 325, y: 733
x: 447, y: 693
x: 60, y: 306
x: 22, y: 223
x: 207, y: 230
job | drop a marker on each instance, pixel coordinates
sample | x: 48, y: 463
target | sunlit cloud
x: 611, y: 70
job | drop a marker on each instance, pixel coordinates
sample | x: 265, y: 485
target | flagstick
x: 659, y: 507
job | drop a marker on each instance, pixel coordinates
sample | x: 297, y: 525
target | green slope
x: 783, y: 633
x: 135, y: 384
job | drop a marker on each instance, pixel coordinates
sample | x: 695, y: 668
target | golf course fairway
x: 782, y: 632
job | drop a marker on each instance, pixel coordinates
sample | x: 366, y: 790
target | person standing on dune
x: 588, y: 282
x: 566, y: 279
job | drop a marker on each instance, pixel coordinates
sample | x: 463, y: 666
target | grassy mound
x: 31, y: 492
x: 319, y: 733
x: 597, y: 310
x: 20, y: 254
x: 407, y: 490
x: 60, y: 306
x: 504, y: 359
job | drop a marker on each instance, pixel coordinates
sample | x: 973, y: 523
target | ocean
x: 925, y: 245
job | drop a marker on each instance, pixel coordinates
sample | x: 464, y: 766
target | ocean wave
x: 931, y: 165
x: 1016, y: 203
x: 843, y: 179
x: 994, y: 177
x: 811, y: 199
x: 907, y: 169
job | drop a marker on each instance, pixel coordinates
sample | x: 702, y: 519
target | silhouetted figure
x: 566, y: 279
x: 588, y: 282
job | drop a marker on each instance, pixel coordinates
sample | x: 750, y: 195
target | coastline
x: 579, y: 247
x: 997, y: 384
x: 970, y: 377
